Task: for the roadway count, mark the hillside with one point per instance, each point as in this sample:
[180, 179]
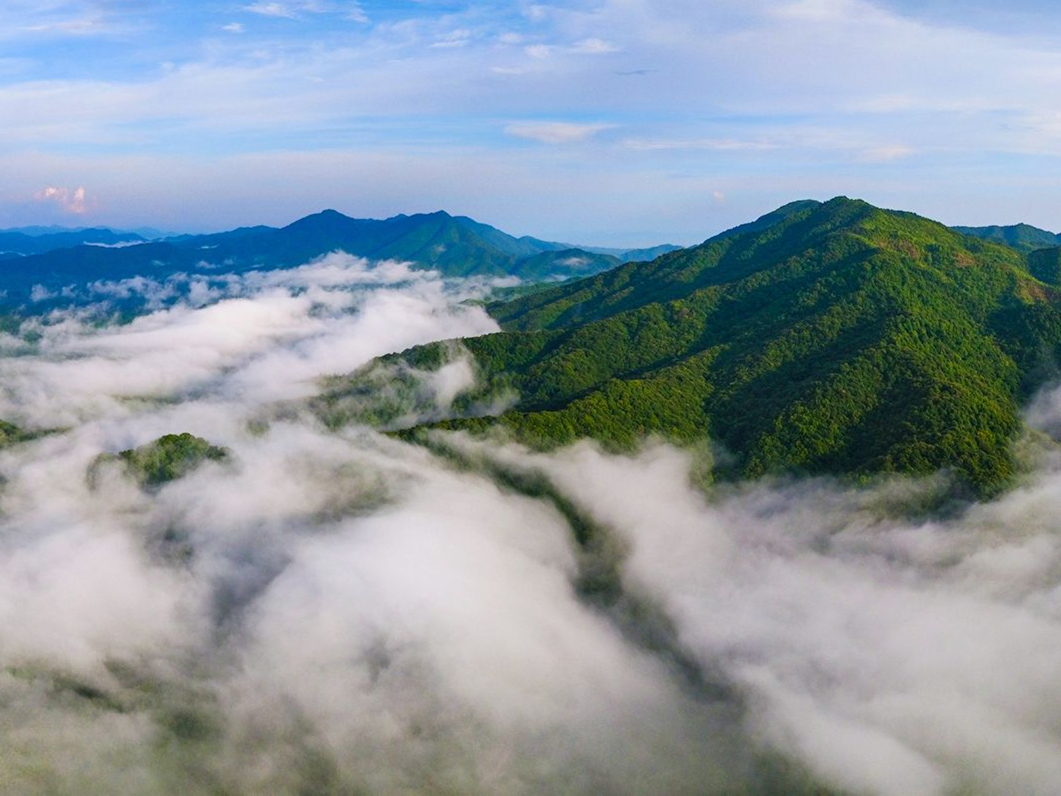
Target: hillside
[826, 338]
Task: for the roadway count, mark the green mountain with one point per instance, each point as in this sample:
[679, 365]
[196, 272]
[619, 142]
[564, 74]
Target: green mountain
[1022, 237]
[166, 459]
[823, 338]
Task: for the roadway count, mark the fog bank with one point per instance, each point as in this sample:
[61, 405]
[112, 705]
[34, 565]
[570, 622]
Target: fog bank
[341, 612]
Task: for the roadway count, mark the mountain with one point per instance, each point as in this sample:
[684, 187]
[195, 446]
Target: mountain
[166, 459]
[771, 219]
[454, 245]
[564, 264]
[45, 239]
[36, 230]
[634, 255]
[823, 338]
[1022, 237]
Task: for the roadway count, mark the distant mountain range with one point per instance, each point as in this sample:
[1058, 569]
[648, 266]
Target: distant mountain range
[147, 233]
[1022, 237]
[39, 240]
[52, 261]
[821, 338]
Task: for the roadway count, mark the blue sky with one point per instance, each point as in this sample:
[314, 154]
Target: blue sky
[618, 122]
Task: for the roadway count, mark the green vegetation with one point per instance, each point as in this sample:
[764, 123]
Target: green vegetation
[10, 434]
[166, 459]
[826, 338]
[1045, 265]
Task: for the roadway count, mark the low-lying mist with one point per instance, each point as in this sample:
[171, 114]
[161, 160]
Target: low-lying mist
[342, 612]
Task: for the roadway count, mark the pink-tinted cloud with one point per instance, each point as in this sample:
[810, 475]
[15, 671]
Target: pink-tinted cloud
[66, 199]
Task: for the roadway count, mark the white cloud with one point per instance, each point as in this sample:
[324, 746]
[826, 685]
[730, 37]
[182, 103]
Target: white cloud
[454, 38]
[272, 334]
[271, 10]
[347, 609]
[886, 154]
[844, 628]
[574, 262]
[555, 132]
[351, 9]
[233, 27]
[86, 26]
[68, 200]
[539, 51]
[593, 46]
[355, 13]
[721, 145]
[831, 11]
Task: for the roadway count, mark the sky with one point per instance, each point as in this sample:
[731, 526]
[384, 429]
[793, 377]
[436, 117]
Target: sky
[609, 122]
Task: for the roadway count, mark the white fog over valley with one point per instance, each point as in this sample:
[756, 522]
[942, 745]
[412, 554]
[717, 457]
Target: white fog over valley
[342, 611]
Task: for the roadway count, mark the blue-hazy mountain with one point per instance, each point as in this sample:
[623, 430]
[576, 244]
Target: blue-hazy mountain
[38, 240]
[634, 255]
[453, 245]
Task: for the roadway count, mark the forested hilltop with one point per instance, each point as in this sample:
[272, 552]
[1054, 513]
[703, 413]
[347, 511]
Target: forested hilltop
[826, 338]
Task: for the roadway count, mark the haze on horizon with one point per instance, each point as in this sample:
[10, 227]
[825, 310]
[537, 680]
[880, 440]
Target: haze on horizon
[613, 122]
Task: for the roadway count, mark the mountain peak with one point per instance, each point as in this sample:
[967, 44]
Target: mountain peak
[831, 337]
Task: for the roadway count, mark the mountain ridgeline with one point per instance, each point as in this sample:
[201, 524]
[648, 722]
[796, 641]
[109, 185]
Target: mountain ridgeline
[21, 243]
[41, 268]
[1022, 237]
[826, 338]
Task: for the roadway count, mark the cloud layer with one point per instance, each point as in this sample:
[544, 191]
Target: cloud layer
[331, 612]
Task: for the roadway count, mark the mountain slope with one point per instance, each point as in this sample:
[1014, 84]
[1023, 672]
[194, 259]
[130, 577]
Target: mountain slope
[1022, 237]
[840, 338]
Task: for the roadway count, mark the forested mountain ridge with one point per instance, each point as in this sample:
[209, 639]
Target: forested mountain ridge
[835, 337]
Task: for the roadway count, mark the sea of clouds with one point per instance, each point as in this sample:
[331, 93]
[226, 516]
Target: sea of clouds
[342, 612]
